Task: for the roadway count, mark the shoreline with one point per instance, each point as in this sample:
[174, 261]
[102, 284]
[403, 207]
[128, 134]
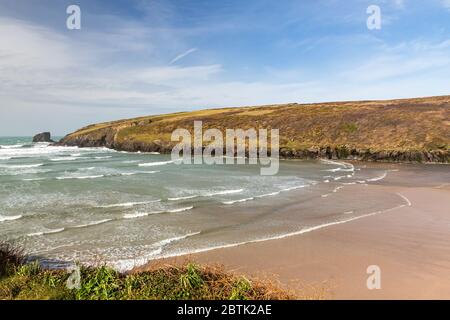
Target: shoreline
[334, 258]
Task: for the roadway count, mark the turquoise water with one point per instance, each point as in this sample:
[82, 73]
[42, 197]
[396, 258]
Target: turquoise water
[66, 204]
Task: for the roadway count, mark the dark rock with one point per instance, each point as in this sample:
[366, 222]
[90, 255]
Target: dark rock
[43, 137]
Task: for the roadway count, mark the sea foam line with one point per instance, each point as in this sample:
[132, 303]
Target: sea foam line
[294, 188]
[128, 204]
[286, 235]
[43, 233]
[21, 166]
[9, 218]
[81, 177]
[144, 214]
[378, 178]
[237, 201]
[268, 194]
[218, 193]
[409, 204]
[68, 158]
[137, 172]
[128, 264]
[182, 198]
[151, 164]
[93, 223]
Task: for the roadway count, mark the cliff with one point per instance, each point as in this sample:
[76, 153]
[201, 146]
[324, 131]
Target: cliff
[391, 130]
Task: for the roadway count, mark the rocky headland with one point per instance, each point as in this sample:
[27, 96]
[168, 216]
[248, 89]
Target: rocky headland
[406, 130]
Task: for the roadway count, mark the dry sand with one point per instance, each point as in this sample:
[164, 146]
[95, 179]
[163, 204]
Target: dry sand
[411, 245]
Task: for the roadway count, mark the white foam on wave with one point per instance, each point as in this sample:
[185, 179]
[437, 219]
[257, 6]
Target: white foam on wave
[9, 218]
[88, 168]
[337, 189]
[224, 192]
[340, 170]
[33, 179]
[268, 194]
[81, 177]
[152, 164]
[276, 237]
[137, 172]
[170, 240]
[140, 214]
[43, 233]
[23, 166]
[128, 204]
[180, 209]
[11, 146]
[128, 264]
[37, 150]
[238, 201]
[144, 214]
[93, 223]
[378, 178]
[71, 158]
[293, 188]
[5, 158]
[182, 198]
[102, 157]
[408, 202]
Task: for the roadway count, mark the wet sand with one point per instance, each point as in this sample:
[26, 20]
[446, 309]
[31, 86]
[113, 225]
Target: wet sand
[410, 244]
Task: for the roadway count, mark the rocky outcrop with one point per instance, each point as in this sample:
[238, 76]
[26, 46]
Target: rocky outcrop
[43, 137]
[101, 138]
[346, 153]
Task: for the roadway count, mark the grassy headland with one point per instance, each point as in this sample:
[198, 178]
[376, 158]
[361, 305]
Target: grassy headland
[391, 130]
[28, 281]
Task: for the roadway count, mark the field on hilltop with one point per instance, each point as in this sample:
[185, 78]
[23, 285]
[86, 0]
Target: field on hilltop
[395, 130]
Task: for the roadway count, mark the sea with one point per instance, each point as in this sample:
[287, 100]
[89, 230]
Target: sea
[67, 205]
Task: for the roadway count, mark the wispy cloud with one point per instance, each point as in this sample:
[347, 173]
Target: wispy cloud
[119, 67]
[446, 4]
[182, 55]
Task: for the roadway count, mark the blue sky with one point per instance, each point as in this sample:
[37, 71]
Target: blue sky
[144, 57]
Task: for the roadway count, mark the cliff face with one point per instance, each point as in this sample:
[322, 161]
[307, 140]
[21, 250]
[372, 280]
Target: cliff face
[394, 130]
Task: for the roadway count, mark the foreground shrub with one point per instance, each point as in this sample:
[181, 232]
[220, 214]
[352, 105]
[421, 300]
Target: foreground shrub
[187, 281]
[10, 258]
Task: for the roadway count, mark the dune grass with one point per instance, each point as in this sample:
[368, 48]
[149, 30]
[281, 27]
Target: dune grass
[29, 281]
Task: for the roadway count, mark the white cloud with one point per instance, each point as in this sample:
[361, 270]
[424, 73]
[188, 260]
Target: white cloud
[399, 3]
[55, 81]
[182, 55]
[446, 4]
[405, 59]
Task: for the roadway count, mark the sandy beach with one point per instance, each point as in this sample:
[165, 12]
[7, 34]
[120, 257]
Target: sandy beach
[409, 244]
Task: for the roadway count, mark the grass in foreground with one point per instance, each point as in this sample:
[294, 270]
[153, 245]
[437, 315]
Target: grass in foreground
[28, 281]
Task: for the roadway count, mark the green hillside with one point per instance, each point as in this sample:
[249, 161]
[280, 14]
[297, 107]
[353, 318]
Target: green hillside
[393, 130]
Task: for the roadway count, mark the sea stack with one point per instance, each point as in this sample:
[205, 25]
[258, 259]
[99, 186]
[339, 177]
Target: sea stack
[43, 137]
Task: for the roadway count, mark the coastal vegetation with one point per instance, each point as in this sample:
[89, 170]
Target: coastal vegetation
[416, 130]
[24, 280]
